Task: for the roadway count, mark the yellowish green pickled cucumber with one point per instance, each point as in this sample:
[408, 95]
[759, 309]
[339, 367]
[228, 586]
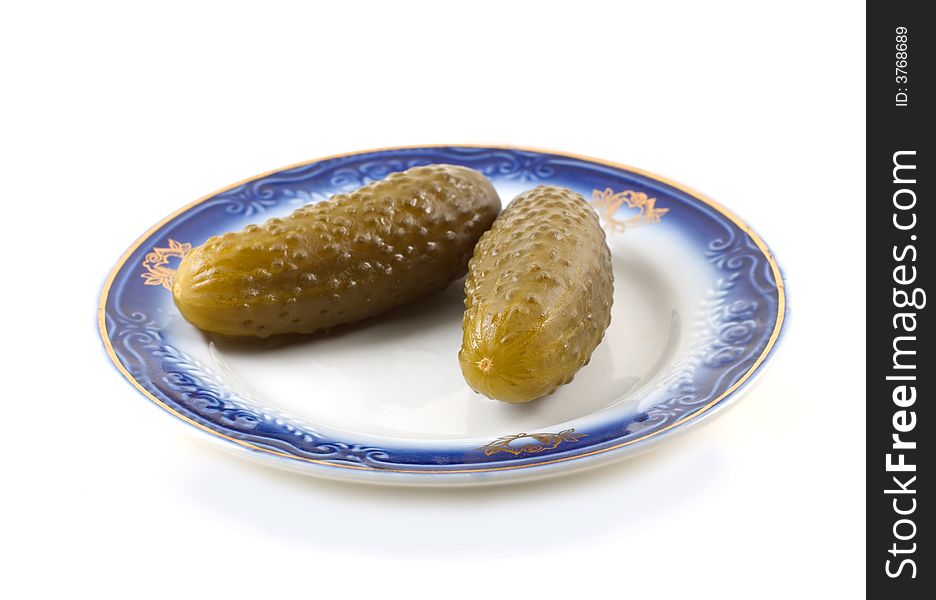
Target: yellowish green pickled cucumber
[351, 257]
[537, 297]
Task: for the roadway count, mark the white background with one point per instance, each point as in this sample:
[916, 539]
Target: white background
[115, 115]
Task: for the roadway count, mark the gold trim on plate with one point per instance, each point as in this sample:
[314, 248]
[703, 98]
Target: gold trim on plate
[774, 336]
[608, 201]
[539, 442]
[155, 270]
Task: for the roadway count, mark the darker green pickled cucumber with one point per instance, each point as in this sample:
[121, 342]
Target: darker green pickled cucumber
[351, 257]
[537, 297]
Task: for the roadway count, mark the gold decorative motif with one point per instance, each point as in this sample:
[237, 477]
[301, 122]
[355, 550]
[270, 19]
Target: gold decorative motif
[157, 273]
[543, 441]
[608, 202]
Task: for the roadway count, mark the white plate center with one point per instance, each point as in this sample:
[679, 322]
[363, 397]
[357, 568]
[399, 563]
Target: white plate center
[398, 376]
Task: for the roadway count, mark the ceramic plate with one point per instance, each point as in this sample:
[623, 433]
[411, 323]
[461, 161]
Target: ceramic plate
[698, 309]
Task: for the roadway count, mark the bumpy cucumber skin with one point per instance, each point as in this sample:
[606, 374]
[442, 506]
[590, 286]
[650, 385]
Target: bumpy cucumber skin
[537, 297]
[342, 260]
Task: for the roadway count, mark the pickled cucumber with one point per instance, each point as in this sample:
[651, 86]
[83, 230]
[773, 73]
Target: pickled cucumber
[342, 260]
[537, 297]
